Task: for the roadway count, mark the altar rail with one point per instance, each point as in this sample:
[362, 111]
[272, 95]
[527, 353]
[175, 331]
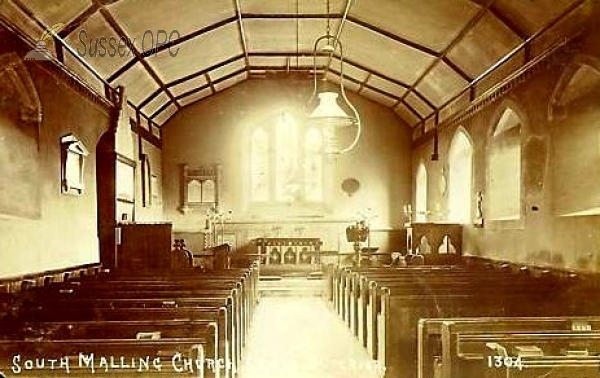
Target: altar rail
[294, 251]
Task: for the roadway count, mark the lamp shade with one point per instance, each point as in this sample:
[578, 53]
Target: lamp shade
[328, 111]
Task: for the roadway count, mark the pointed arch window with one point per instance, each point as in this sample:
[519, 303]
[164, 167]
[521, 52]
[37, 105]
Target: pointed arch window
[287, 163]
[460, 178]
[421, 194]
[287, 170]
[313, 165]
[504, 168]
[259, 165]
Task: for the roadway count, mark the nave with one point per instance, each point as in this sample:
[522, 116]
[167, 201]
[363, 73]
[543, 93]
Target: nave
[300, 337]
[249, 199]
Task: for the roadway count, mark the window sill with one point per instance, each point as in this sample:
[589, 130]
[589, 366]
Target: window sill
[508, 218]
[505, 223]
[582, 213]
[299, 210]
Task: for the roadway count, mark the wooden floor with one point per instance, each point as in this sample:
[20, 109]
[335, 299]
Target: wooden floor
[300, 337]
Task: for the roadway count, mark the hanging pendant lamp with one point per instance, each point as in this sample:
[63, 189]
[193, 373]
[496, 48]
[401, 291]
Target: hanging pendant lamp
[328, 113]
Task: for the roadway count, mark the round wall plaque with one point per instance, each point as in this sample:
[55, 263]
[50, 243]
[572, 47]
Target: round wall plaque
[350, 186]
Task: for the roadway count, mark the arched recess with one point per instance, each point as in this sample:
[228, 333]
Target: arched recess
[18, 89]
[421, 194]
[575, 121]
[504, 163]
[20, 119]
[460, 177]
[579, 78]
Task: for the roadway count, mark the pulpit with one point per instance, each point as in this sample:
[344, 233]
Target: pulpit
[144, 247]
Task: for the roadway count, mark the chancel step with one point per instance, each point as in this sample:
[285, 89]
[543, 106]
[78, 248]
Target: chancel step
[291, 286]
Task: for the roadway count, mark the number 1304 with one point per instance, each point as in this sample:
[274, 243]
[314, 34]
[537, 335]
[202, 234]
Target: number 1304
[501, 361]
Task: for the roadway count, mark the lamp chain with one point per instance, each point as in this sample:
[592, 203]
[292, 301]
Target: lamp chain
[328, 26]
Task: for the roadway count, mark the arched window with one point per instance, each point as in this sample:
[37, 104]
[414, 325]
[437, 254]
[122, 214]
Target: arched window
[313, 165]
[460, 178]
[287, 171]
[421, 194]
[286, 162]
[504, 168]
[259, 165]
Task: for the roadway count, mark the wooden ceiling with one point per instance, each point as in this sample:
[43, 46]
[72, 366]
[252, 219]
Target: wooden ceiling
[420, 58]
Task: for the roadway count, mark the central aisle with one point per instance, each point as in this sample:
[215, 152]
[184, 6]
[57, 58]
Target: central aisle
[300, 337]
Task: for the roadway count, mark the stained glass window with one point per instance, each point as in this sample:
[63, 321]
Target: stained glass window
[259, 161]
[286, 162]
[313, 165]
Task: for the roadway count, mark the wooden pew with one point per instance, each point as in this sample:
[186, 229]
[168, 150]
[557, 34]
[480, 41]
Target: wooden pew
[430, 333]
[396, 326]
[211, 331]
[141, 293]
[103, 305]
[126, 301]
[83, 358]
[242, 301]
[78, 310]
[542, 354]
[393, 310]
[245, 286]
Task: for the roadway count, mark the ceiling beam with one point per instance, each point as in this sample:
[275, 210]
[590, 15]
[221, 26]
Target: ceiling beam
[216, 81]
[121, 33]
[290, 16]
[275, 16]
[205, 70]
[221, 64]
[510, 24]
[90, 11]
[522, 47]
[192, 35]
[352, 63]
[83, 17]
[124, 68]
[148, 99]
[171, 44]
[362, 85]
[210, 83]
[420, 118]
[240, 22]
[388, 78]
[464, 31]
[377, 90]
[285, 69]
[161, 109]
[465, 76]
[394, 37]
[78, 21]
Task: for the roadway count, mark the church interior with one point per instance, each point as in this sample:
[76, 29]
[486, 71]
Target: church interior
[300, 188]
